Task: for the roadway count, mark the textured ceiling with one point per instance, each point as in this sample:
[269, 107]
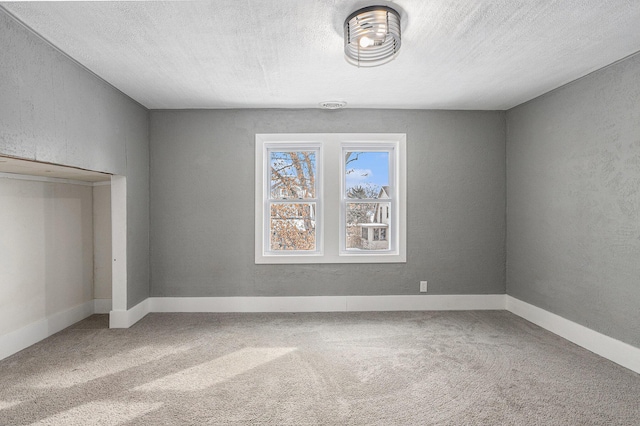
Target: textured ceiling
[456, 54]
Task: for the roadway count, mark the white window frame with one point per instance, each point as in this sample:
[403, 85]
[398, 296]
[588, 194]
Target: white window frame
[330, 215]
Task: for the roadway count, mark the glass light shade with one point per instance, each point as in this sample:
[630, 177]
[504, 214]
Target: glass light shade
[372, 36]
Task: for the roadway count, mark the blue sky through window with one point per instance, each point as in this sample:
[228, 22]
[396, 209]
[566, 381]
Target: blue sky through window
[367, 169]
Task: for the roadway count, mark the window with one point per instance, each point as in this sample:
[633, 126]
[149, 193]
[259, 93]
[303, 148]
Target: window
[330, 198]
[292, 201]
[368, 189]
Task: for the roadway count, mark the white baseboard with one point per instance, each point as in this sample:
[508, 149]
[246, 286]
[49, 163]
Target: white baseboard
[31, 334]
[619, 352]
[248, 304]
[327, 303]
[125, 319]
[614, 350]
[433, 302]
[61, 320]
[22, 338]
[101, 306]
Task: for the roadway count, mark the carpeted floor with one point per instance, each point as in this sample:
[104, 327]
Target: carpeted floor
[391, 368]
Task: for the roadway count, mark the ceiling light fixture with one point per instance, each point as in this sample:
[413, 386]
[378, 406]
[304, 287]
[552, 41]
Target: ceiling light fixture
[372, 36]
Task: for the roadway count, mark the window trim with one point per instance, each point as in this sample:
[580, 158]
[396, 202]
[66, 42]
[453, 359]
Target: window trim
[329, 195]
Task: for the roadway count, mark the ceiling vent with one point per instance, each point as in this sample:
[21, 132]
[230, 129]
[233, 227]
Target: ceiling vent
[333, 104]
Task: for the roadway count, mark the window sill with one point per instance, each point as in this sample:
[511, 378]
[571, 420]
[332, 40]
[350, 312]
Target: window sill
[319, 258]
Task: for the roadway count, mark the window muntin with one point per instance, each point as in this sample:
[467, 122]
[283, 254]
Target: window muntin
[314, 216]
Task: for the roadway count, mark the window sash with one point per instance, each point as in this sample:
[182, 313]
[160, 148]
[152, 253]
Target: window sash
[312, 217]
[268, 200]
[288, 149]
[391, 231]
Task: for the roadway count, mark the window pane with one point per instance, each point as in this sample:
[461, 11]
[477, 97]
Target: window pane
[367, 174]
[293, 226]
[293, 174]
[368, 226]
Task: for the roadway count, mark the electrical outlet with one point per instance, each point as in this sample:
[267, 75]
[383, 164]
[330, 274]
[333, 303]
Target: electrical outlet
[423, 286]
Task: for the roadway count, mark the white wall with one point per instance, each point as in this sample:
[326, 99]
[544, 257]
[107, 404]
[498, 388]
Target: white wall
[46, 250]
[102, 241]
[54, 111]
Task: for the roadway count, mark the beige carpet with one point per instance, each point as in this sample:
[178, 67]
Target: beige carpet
[412, 368]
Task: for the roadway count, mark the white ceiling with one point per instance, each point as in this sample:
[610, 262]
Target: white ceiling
[455, 54]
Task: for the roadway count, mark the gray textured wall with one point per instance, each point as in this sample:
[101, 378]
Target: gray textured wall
[52, 110]
[573, 211]
[202, 204]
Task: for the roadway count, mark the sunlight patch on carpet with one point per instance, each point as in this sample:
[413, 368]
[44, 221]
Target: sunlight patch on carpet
[8, 404]
[91, 370]
[218, 370]
[104, 413]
